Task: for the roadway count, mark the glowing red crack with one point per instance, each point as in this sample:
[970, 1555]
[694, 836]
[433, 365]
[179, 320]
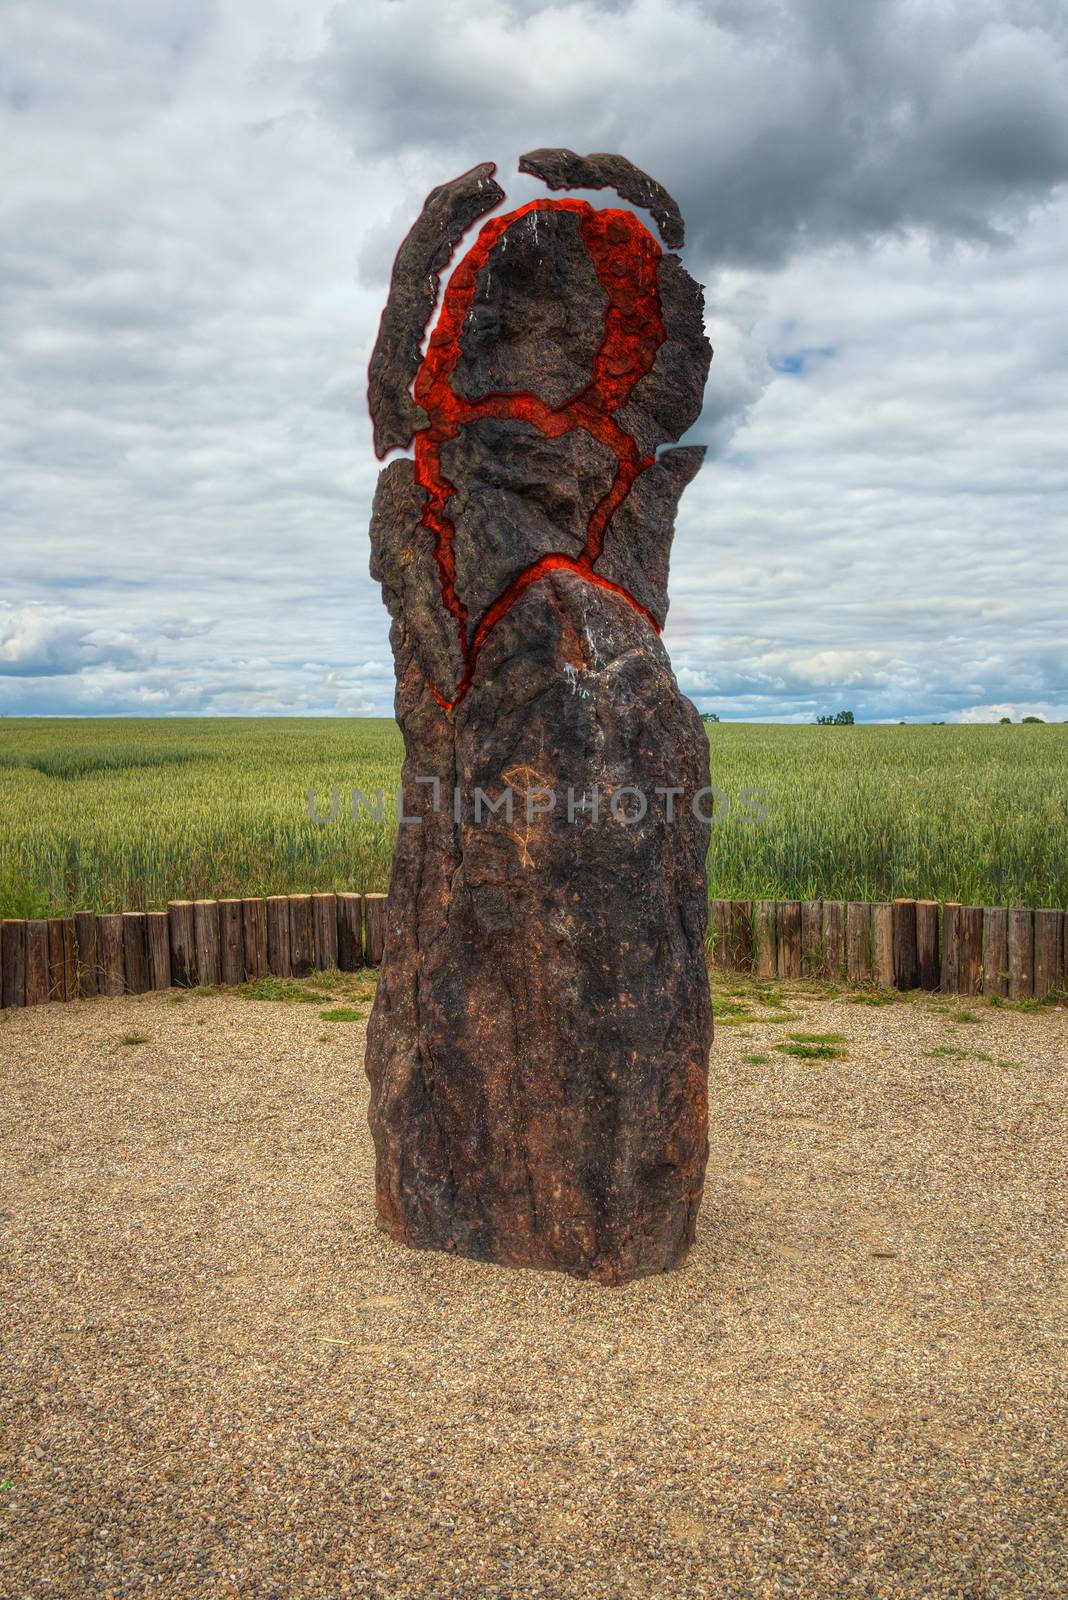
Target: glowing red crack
[625, 257]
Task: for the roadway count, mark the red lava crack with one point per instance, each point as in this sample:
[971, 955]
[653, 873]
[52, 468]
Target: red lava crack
[625, 257]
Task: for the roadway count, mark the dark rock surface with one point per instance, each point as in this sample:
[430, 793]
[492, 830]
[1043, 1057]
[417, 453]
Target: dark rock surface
[538, 308]
[563, 169]
[518, 496]
[637, 546]
[538, 1047]
[447, 213]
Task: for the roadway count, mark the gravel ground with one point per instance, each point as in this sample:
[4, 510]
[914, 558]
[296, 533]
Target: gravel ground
[220, 1380]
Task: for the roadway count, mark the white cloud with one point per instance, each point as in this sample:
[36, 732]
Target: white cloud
[199, 210]
[48, 642]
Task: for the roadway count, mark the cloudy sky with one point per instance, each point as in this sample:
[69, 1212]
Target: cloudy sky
[200, 205]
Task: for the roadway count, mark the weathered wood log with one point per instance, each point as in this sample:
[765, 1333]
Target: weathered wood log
[740, 936]
[349, 932]
[158, 946]
[37, 978]
[207, 939]
[995, 950]
[135, 952]
[813, 953]
[949, 978]
[906, 959]
[928, 948]
[301, 935]
[766, 939]
[62, 978]
[1021, 953]
[858, 941]
[374, 928]
[834, 939]
[109, 946]
[254, 928]
[13, 962]
[970, 950]
[1049, 941]
[789, 938]
[183, 944]
[88, 976]
[720, 919]
[882, 944]
[324, 918]
[231, 942]
[278, 950]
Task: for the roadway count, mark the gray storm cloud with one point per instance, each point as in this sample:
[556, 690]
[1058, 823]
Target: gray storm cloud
[200, 207]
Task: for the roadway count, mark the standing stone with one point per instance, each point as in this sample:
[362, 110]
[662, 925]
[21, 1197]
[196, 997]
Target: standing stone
[538, 1046]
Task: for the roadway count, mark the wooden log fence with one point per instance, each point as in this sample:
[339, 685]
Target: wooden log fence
[1016, 953]
[909, 944]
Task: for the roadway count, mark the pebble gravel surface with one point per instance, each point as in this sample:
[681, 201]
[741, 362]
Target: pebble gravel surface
[219, 1379]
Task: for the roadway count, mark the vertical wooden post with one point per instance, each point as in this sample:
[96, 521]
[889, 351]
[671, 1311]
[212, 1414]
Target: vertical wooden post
[858, 941]
[135, 951]
[231, 942]
[928, 955]
[995, 950]
[36, 961]
[88, 962]
[765, 939]
[1021, 953]
[374, 928]
[882, 944]
[61, 974]
[206, 935]
[812, 947]
[834, 938]
[739, 935]
[55, 960]
[183, 943]
[789, 938]
[324, 918]
[278, 952]
[969, 949]
[13, 962]
[349, 932]
[158, 942]
[949, 979]
[906, 960]
[109, 948]
[301, 935]
[720, 918]
[254, 927]
[1049, 938]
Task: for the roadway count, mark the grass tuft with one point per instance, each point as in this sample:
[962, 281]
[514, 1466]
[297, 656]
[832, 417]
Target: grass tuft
[812, 1052]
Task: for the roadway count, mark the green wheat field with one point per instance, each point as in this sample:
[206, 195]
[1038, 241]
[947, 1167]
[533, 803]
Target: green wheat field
[126, 814]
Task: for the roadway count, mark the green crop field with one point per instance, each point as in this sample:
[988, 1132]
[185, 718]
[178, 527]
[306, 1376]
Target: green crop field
[128, 813]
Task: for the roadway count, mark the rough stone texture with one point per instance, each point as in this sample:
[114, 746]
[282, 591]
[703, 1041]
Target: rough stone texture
[563, 169]
[518, 496]
[538, 312]
[638, 541]
[448, 212]
[667, 400]
[538, 1049]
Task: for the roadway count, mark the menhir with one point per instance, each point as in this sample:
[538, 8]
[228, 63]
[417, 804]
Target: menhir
[538, 1047]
